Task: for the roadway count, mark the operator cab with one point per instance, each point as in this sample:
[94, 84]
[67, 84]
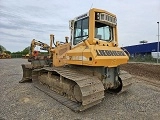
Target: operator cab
[94, 25]
[81, 30]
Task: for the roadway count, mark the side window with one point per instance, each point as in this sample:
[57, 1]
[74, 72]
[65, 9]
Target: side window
[85, 27]
[80, 30]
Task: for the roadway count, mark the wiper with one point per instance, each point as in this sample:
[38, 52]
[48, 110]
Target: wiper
[79, 41]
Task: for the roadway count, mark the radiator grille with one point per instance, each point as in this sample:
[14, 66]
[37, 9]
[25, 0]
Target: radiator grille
[109, 53]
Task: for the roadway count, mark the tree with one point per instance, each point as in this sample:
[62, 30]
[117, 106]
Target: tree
[26, 50]
[8, 52]
[2, 48]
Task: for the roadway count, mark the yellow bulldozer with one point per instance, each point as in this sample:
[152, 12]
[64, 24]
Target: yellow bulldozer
[79, 71]
[25, 56]
[4, 55]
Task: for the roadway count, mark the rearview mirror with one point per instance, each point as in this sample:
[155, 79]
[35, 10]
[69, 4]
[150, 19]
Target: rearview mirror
[71, 24]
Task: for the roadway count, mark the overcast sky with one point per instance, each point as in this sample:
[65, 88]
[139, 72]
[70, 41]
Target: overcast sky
[23, 20]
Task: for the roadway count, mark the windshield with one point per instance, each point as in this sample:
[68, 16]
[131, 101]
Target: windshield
[103, 31]
[80, 30]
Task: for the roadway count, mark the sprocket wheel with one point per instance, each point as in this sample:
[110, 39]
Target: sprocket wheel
[118, 89]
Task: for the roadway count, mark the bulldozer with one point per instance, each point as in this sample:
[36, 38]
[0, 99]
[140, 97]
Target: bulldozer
[4, 55]
[25, 56]
[78, 72]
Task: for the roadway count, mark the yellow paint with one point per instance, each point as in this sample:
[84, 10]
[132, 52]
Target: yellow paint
[85, 53]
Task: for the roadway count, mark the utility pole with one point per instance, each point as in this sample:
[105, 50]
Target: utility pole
[158, 45]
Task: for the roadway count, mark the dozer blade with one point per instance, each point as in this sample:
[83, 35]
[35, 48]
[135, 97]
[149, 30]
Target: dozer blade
[27, 73]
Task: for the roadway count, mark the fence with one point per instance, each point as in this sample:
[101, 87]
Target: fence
[143, 58]
[16, 55]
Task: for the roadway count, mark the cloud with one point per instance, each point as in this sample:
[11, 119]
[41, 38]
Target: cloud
[17, 22]
[12, 35]
[21, 21]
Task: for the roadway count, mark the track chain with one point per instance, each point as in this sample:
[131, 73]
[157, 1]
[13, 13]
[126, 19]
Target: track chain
[91, 88]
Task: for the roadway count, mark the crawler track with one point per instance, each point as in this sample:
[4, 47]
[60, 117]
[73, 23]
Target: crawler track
[91, 88]
[127, 80]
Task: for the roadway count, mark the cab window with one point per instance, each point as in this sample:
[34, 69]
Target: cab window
[80, 30]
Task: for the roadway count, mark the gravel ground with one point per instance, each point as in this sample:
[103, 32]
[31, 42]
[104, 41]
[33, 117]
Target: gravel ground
[25, 102]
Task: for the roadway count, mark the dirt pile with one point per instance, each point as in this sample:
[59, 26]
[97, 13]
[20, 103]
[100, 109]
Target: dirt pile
[149, 71]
